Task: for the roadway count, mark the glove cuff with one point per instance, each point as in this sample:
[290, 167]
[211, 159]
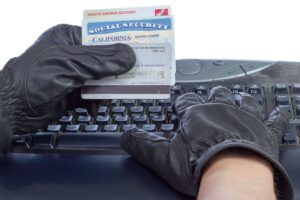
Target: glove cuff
[283, 186]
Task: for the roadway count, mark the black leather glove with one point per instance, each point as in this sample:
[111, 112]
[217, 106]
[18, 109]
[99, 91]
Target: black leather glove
[205, 129]
[34, 86]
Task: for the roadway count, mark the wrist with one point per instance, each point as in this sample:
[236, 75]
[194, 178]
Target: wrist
[236, 174]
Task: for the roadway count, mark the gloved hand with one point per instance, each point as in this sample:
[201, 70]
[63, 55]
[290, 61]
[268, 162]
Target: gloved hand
[205, 129]
[34, 86]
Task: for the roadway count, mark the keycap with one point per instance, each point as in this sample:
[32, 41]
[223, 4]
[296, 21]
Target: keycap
[102, 110]
[155, 109]
[295, 88]
[282, 100]
[149, 127]
[254, 89]
[167, 127]
[66, 119]
[91, 128]
[169, 110]
[119, 110]
[43, 139]
[128, 102]
[23, 141]
[164, 102]
[147, 102]
[176, 90]
[126, 127]
[54, 128]
[120, 119]
[82, 141]
[201, 90]
[81, 111]
[280, 89]
[290, 138]
[113, 102]
[84, 119]
[174, 119]
[140, 119]
[73, 128]
[137, 109]
[110, 128]
[158, 119]
[237, 89]
[102, 119]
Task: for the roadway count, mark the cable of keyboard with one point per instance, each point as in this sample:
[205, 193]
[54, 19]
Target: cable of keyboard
[99, 130]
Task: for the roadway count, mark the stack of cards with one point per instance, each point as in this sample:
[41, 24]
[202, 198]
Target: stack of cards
[150, 32]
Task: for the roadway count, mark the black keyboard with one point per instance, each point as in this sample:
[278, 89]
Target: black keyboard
[97, 127]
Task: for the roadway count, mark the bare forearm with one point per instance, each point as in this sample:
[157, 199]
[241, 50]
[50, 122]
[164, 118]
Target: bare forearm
[237, 174]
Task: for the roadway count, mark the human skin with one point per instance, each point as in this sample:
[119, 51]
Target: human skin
[237, 174]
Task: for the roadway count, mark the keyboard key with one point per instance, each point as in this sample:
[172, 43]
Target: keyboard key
[167, 128]
[120, 119]
[119, 110]
[147, 102]
[81, 111]
[102, 110]
[169, 110]
[100, 119]
[164, 102]
[140, 119]
[73, 128]
[128, 102]
[155, 110]
[280, 89]
[149, 127]
[201, 90]
[290, 138]
[91, 128]
[126, 127]
[23, 141]
[54, 128]
[83, 141]
[137, 110]
[174, 119]
[113, 102]
[158, 119]
[282, 101]
[254, 89]
[66, 119]
[176, 90]
[296, 88]
[84, 119]
[110, 128]
[237, 89]
[43, 139]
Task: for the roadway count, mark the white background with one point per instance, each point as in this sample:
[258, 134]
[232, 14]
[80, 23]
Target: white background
[229, 29]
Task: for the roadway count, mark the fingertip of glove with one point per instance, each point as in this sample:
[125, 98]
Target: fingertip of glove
[128, 54]
[127, 139]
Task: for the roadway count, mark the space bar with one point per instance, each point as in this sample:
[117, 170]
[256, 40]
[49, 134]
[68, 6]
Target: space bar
[88, 141]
